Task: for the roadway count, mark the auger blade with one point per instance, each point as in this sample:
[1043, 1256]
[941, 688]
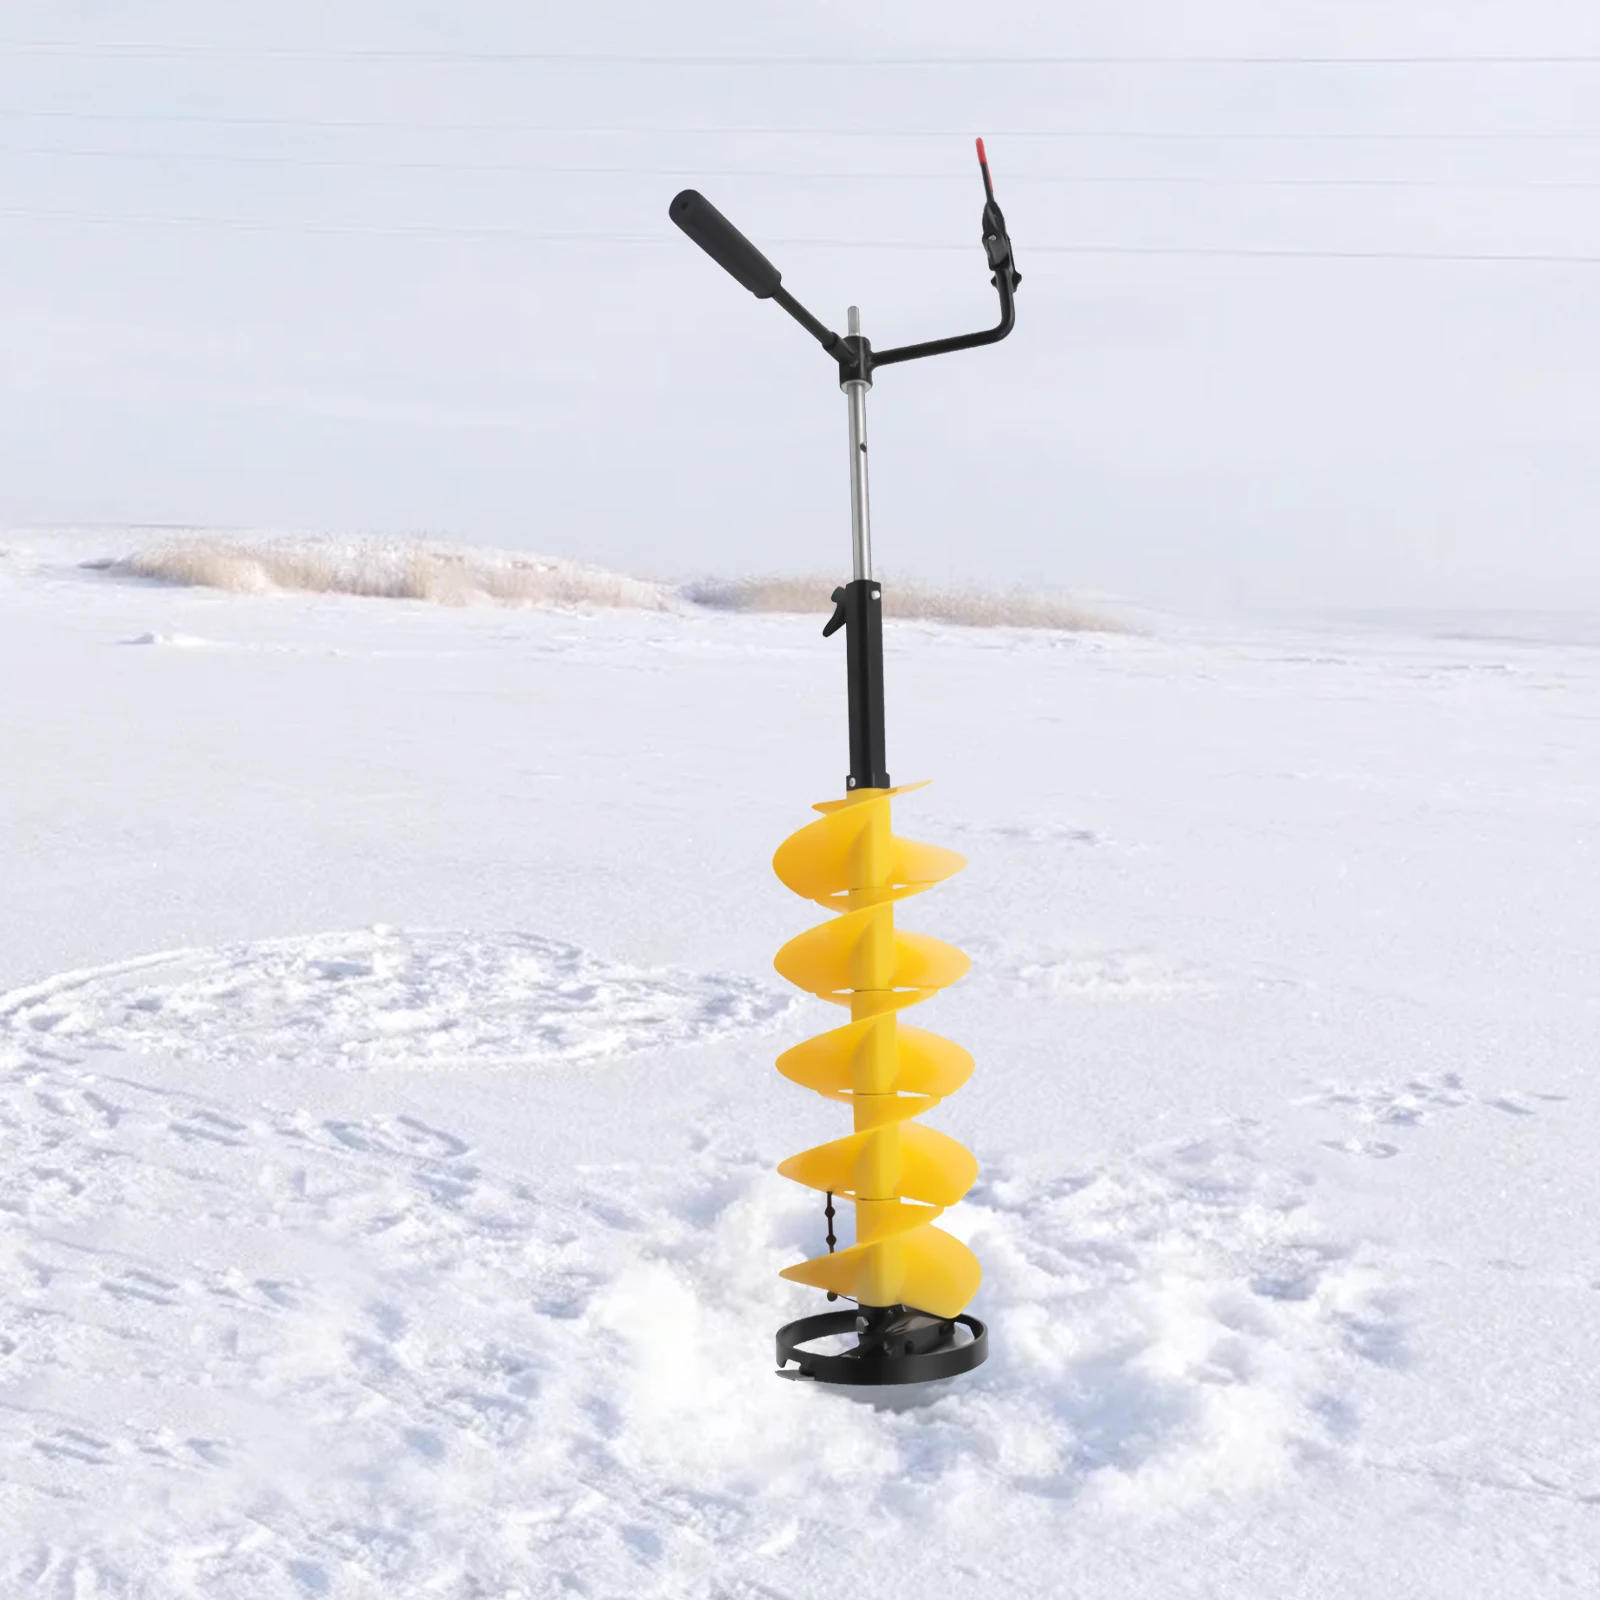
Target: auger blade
[836, 1273]
[934, 1167]
[926, 1268]
[923, 865]
[829, 1166]
[834, 1077]
[881, 1220]
[851, 859]
[863, 950]
[834, 1062]
[879, 1110]
[941, 1273]
[827, 807]
[878, 1055]
[930, 1063]
[922, 1164]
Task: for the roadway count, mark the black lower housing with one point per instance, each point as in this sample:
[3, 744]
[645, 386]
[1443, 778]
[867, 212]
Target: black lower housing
[894, 1344]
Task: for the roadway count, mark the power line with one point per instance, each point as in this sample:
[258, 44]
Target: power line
[1158, 135]
[438, 57]
[699, 170]
[584, 236]
[1537, 258]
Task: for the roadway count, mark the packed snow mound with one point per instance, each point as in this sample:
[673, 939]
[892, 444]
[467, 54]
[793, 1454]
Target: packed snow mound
[389, 570]
[968, 608]
[387, 998]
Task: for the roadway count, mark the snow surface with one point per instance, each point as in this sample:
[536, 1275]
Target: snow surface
[387, 1204]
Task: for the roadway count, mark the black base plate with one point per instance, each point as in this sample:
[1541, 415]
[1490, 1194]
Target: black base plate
[894, 1344]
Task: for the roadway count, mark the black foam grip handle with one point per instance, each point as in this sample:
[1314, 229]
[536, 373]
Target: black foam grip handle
[724, 243]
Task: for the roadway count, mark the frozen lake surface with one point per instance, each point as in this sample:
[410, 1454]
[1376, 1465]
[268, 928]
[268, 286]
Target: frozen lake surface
[388, 1118]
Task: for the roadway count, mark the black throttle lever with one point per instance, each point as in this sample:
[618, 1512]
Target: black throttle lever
[996, 241]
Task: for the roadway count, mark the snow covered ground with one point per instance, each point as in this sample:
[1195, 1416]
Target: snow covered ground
[388, 1120]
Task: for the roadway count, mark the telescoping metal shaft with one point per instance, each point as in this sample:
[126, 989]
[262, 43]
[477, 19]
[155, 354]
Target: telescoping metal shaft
[855, 390]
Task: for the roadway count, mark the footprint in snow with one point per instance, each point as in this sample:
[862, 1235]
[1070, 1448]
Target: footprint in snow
[1376, 1149]
[73, 1444]
[135, 1284]
[398, 1136]
[207, 1127]
[1411, 1104]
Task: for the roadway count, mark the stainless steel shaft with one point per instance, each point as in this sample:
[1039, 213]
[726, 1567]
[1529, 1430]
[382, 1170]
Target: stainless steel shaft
[860, 514]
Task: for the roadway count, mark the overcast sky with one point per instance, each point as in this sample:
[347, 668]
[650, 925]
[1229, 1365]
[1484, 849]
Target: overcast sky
[267, 265]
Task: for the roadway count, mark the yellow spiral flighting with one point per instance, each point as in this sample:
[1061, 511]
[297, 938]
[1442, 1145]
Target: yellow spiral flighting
[899, 1175]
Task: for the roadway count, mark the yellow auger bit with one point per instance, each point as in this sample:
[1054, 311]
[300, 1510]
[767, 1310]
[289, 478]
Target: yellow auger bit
[911, 1280]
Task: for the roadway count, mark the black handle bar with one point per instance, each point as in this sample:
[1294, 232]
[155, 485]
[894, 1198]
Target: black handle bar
[737, 256]
[724, 243]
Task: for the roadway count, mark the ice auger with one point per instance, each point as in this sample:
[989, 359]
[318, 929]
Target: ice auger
[911, 1281]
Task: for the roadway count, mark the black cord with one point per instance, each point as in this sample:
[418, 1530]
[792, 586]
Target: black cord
[828, 1213]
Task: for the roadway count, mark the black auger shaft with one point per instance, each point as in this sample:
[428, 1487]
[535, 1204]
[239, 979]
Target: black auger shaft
[858, 609]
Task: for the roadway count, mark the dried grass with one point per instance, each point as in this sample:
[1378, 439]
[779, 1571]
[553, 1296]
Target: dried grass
[968, 608]
[435, 574]
[443, 575]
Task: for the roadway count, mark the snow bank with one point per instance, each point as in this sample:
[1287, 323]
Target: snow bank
[403, 570]
[969, 608]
